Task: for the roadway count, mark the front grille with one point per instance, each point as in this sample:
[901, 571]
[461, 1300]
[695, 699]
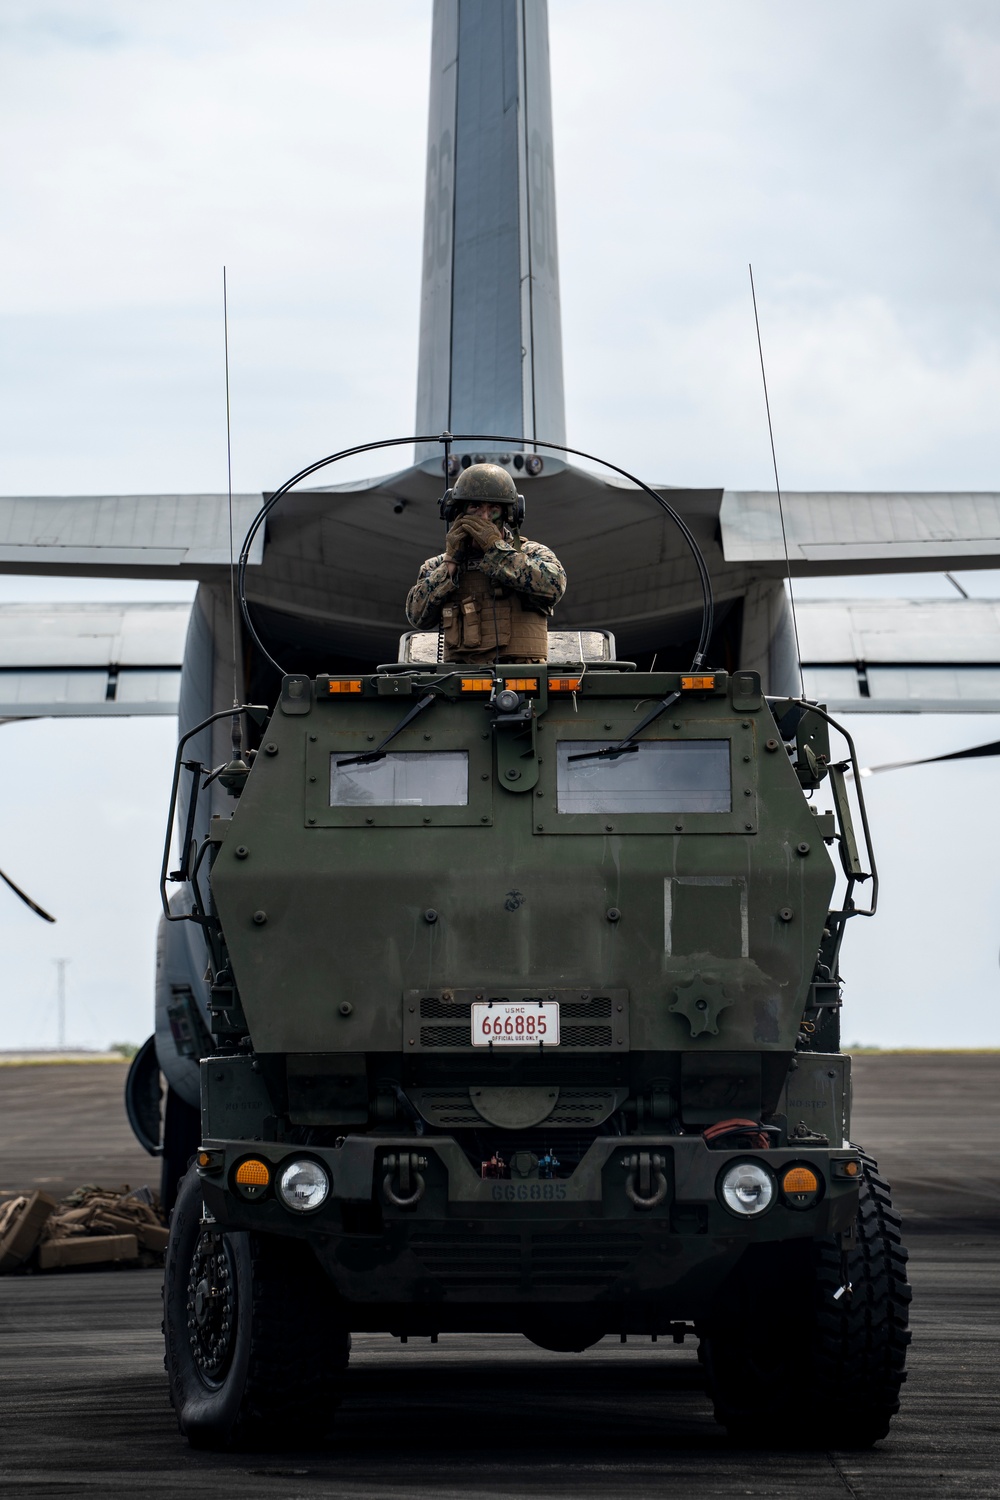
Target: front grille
[582, 1260]
[442, 1021]
[461, 1259]
[448, 1109]
[590, 1010]
[586, 1036]
[526, 1261]
[431, 1009]
[583, 1107]
[452, 1109]
[445, 1036]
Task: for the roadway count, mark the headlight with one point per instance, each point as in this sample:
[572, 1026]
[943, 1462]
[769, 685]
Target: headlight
[747, 1188]
[303, 1186]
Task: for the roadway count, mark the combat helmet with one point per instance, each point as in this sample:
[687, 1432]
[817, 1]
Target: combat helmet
[483, 482]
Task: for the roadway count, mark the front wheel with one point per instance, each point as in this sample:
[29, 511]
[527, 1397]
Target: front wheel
[255, 1352]
[789, 1362]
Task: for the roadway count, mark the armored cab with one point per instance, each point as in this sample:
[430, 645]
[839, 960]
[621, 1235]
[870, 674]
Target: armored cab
[525, 1014]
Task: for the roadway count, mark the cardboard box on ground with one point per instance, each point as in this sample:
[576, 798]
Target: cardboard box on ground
[92, 1226]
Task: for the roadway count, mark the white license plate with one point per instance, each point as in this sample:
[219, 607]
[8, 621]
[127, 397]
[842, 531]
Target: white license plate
[515, 1023]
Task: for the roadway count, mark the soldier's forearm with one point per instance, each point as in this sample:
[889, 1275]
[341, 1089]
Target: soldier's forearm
[422, 614]
[537, 577]
[428, 594]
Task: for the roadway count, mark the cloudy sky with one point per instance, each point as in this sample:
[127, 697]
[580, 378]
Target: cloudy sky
[851, 151]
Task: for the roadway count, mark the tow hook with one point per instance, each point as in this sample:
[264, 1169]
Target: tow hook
[643, 1171]
[848, 1242]
[411, 1182]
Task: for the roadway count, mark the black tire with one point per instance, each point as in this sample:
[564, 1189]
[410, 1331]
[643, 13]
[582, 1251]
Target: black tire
[256, 1357]
[790, 1366]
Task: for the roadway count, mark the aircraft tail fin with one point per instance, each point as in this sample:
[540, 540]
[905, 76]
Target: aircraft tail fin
[490, 329]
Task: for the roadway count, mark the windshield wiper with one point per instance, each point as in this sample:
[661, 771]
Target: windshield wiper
[623, 747]
[379, 752]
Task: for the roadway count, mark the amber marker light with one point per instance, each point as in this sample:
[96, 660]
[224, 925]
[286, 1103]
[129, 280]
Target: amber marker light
[695, 684]
[522, 684]
[252, 1178]
[253, 1173]
[800, 1187]
[204, 1160]
[477, 684]
[564, 684]
[345, 684]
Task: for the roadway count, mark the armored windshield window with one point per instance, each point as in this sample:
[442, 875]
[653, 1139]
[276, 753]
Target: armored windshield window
[417, 778]
[659, 776]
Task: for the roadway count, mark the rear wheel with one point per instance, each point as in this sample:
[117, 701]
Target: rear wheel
[788, 1362]
[255, 1351]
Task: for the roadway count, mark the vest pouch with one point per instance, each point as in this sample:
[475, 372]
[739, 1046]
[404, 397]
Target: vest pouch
[529, 634]
[471, 633]
[451, 625]
[494, 618]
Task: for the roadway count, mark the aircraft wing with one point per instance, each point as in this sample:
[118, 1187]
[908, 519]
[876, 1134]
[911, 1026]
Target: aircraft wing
[123, 536]
[844, 532]
[81, 660]
[901, 655]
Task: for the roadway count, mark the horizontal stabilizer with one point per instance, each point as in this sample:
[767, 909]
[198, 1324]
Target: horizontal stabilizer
[85, 660]
[901, 655]
[853, 532]
[124, 536]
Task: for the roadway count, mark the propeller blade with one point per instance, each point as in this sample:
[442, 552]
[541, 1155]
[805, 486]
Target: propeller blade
[38, 910]
[975, 752]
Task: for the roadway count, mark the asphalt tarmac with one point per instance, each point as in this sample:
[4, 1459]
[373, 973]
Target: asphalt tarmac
[83, 1406]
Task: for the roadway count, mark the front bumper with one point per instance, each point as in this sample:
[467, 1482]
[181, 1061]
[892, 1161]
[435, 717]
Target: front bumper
[503, 1247]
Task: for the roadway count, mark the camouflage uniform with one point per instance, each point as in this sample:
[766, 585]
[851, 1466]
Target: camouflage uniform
[534, 571]
[511, 566]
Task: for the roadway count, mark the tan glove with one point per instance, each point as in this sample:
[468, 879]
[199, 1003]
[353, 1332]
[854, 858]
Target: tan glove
[456, 538]
[481, 532]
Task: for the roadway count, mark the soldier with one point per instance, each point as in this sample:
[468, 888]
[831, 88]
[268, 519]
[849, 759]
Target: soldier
[490, 591]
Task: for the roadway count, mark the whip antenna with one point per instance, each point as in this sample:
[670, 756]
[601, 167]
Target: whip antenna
[777, 486]
[229, 474]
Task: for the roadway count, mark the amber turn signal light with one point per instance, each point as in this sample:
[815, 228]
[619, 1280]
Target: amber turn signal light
[345, 684]
[693, 684]
[252, 1177]
[477, 684]
[253, 1173]
[800, 1187]
[564, 684]
[522, 684]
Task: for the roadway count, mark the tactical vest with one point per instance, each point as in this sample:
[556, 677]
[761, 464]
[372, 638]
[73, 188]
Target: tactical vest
[486, 622]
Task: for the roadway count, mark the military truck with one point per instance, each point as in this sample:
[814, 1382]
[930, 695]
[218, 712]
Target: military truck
[525, 999]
